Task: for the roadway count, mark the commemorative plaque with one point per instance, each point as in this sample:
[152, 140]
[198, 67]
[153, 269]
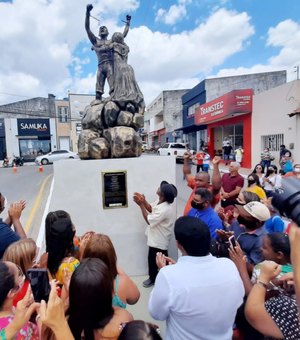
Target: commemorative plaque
[114, 186]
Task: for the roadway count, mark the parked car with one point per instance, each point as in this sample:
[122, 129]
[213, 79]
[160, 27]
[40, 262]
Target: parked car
[55, 156]
[174, 149]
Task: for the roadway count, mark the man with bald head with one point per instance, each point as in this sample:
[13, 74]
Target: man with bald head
[202, 180]
[232, 184]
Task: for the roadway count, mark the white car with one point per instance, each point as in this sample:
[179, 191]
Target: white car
[55, 156]
[174, 149]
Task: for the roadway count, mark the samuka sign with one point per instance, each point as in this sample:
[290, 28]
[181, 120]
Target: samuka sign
[33, 127]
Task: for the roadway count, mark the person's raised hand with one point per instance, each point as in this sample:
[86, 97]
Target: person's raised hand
[25, 308]
[138, 198]
[237, 256]
[269, 270]
[224, 235]
[216, 160]
[287, 282]
[52, 314]
[187, 155]
[15, 210]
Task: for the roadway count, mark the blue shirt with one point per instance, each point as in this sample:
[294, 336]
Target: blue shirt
[210, 217]
[7, 237]
[251, 243]
[274, 224]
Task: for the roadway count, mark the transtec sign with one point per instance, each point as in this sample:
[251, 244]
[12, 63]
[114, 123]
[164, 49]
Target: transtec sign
[234, 102]
[33, 127]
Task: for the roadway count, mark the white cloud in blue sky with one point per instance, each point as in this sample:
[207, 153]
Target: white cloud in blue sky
[173, 43]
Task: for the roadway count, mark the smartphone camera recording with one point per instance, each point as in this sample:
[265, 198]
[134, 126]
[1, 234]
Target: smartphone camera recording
[39, 282]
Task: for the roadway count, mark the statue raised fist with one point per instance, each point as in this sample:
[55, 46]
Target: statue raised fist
[128, 18]
[89, 7]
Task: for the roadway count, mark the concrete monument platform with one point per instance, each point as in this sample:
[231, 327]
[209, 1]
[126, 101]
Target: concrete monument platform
[78, 189]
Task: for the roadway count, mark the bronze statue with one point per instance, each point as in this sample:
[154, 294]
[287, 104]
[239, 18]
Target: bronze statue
[103, 49]
[110, 126]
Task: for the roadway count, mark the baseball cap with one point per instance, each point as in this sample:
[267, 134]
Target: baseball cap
[168, 190]
[256, 209]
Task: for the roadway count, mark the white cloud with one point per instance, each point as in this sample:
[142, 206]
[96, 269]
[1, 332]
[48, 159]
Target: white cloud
[174, 14]
[286, 37]
[39, 39]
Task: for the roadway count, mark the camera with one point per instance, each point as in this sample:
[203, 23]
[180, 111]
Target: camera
[287, 199]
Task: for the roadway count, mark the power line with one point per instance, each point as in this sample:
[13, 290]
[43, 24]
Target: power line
[30, 114]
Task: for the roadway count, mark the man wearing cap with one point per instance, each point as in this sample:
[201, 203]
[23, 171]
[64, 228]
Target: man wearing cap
[252, 217]
[7, 235]
[232, 184]
[201, 180]
[199, 295]
[160, 217]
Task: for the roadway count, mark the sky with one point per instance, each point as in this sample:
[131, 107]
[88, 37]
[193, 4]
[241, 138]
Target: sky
[174, 44]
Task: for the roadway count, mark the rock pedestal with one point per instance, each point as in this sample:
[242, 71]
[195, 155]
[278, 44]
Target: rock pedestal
[110, 131]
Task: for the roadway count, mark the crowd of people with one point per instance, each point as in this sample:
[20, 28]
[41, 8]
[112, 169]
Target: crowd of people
[237, 275]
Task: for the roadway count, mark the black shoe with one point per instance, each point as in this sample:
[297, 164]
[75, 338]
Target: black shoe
[148, 283]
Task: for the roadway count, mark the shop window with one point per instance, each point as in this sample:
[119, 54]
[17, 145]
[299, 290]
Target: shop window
[272, 142]
[192, 109]
[30, 148]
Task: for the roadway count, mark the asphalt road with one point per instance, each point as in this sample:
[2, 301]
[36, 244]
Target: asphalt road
[33, 186]
[30, 185]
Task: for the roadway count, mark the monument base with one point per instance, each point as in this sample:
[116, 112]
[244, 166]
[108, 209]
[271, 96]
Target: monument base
[78, 189]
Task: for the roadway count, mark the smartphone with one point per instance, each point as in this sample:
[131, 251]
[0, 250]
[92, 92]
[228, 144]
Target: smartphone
[39, 282]
[232, 241]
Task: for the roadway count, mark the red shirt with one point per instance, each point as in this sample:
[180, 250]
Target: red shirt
[200, 157]
[229, 183]
[191, 184]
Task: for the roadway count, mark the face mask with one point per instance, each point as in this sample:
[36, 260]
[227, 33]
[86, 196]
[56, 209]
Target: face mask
[242, 220]
[271, 171]
[198, 206]
[251, 181]
[297, 170]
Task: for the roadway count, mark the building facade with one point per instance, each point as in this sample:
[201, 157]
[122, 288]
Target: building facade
[28, 128]
[211, 89]
[163, 118]
[276, 121]
[63, 124]
[77, 104]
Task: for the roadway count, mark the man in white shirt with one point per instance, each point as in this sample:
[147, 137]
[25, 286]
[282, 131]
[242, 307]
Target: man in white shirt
[200, 294]
[160, 217]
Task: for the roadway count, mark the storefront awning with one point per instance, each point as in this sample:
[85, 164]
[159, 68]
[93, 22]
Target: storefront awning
[232, 103]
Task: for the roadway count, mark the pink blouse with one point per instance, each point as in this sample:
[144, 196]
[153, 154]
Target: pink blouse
[28, 332]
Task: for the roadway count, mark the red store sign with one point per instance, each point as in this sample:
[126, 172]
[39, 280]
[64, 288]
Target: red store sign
[236, 101]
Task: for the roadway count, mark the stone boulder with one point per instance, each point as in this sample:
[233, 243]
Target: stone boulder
[125, 118]
[84, 139]
[124, 142]
[92, 117]
[110, 113]
[99, 148]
